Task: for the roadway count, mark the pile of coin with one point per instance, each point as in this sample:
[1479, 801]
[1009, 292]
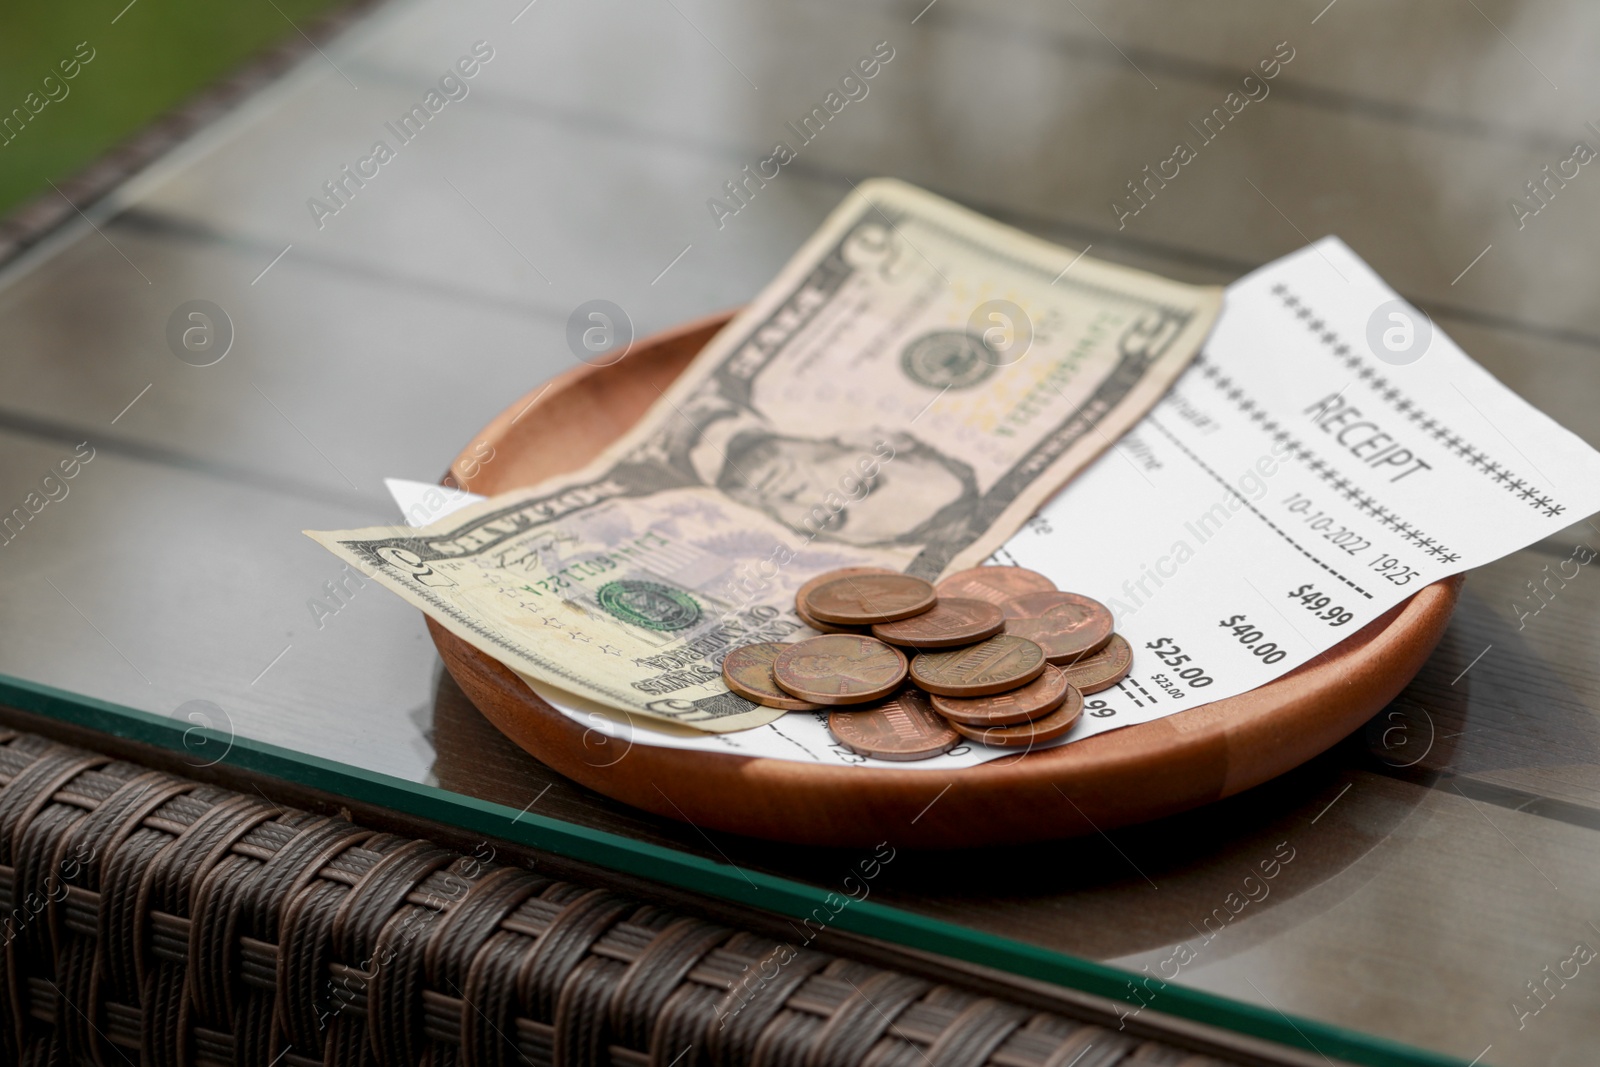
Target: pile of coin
[992, 654]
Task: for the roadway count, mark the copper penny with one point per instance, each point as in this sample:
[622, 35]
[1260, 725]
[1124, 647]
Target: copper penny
[1100, 670]
[952, 621]
[993, 666]
[1033, 701]
[822, 579]
[1026, 734]
[995, 584]
[748, 671]
[839, 669]
[1065, 625]
[904, 727]
[864, 599]
[827, 627]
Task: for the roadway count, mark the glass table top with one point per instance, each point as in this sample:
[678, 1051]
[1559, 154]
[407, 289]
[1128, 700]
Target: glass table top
[1431, 873]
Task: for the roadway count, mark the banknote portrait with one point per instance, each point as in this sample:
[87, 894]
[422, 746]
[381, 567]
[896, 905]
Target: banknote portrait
[922, 492]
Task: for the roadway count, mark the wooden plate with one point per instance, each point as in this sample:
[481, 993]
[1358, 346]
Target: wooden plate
[1124, 776]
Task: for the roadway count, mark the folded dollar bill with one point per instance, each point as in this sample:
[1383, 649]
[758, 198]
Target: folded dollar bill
[910, 389]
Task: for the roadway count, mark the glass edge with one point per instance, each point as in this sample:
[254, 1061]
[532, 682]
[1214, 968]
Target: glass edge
[755, 889]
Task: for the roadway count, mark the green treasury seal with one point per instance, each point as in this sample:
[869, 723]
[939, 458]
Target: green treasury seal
[948, 359]
[649, 604]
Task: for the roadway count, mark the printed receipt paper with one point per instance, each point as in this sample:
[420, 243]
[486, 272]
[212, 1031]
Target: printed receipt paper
[1288, 490]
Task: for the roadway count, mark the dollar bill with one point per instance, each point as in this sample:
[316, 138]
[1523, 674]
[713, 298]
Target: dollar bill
[910, 389]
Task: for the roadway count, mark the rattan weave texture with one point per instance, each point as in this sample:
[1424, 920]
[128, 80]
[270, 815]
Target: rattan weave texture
[156, 921]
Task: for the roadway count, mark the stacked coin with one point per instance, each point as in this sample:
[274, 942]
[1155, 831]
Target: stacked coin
[994, 654]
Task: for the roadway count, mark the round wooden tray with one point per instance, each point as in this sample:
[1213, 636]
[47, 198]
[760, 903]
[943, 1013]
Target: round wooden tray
[1124, 776]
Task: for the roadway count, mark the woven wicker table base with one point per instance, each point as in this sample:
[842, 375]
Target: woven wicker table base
[163, 921]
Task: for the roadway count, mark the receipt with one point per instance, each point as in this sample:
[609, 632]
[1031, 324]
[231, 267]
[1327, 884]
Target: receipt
[1329, 453]
[1298, 481]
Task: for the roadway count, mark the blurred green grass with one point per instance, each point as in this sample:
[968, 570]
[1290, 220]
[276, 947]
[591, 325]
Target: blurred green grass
[157, 53]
